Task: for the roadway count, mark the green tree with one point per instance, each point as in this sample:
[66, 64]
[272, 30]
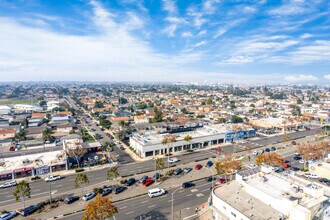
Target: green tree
[209, 101]
[158, 116]
[160, 165]
[98, 104]
[43, 103]
[47, 135]
[81, 180]
[22, 191]
[21, 136]
[121, 123]
[187, 139]
[236, 119]
[122, 101]
[112, 173]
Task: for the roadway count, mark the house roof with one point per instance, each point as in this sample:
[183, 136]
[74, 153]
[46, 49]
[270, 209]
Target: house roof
[124, 118]
[7, 131]
[64, 113]
[38, 115]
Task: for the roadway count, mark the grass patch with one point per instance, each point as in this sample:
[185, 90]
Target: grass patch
[18, 101]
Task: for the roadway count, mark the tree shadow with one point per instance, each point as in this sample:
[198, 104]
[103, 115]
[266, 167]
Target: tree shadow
[153, 215]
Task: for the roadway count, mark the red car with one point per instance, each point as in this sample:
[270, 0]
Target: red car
[148, 182]
[293, 143]
[223, 180]
[286, 165]
[198, 166]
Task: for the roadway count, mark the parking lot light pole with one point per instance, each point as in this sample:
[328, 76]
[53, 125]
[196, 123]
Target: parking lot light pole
[173, 202]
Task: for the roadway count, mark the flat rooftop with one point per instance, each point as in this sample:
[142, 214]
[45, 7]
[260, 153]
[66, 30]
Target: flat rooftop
[235, 196]
[157, 138]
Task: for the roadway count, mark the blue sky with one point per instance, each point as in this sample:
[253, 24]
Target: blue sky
[240, 41]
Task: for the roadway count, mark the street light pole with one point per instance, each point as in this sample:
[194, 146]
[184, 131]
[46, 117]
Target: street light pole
[173, 202]
[50, 193]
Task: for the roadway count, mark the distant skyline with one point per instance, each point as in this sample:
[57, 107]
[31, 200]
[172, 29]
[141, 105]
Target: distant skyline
[221, 41]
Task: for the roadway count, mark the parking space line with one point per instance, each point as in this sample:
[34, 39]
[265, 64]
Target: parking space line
[151, 206]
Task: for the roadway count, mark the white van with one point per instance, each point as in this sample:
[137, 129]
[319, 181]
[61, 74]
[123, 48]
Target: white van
[156, 192]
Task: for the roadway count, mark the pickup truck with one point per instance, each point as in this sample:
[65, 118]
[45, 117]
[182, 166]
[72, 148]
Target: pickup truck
[52, 178]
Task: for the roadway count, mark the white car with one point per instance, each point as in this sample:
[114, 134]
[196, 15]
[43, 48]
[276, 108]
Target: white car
[52, 178]
[156, 192]
[253, 165]
[301, 161]
[8, 215]
[88, 196]
[311, 175]
[173, 160]
[8, 184]
[255, 153]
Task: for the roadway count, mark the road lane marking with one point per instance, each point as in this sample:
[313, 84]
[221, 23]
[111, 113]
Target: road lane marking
[151, 206]
[36, 190]
[181, 191]
[194, 190]
[97, 178]
[189, 194]
[144, 201]
[189, 217]
[124, 207]
[171, 200]
[130, 212]
[58, 185]
[200, 195]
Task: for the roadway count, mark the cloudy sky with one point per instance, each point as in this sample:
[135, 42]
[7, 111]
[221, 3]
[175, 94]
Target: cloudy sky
[242, 41]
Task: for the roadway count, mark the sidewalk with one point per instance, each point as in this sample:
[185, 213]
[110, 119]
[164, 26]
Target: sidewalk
[133, 191]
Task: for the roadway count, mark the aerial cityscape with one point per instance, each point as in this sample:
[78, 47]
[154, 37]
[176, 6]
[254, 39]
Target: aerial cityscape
[165, 109]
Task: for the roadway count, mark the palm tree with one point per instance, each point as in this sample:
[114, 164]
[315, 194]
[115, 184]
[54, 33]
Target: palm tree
[20, 136]
[112, 173]
[160, 165]
[22, 191]
[187, 139]
[47, 135]
[80, 181]
[168, 141]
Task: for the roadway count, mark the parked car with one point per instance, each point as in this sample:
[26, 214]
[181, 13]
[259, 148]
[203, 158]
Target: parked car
[293, 143]
[267, 149]
[143, 178]
[255, 153]
[156, 192]
[71, 199]
[209, 163]
[311, 175]
[156, 176]
[297, 157]
[261, 151]
[187, 169]
[222, 180]
[294, 168]
[177, 171]
[12, 148]
[88, 196]
[29, 210]
[286, 165]
[8, 184]
[273, 148]
[148, 182]
[278, 169]
[173, 160]
[8, 215]
[52, 178]
[130, 182]
[106, 191]
[198, 166]
[324, 180]
[120, 189]
[187, 184]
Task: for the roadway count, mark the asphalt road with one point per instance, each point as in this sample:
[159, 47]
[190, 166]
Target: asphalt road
[160, 207]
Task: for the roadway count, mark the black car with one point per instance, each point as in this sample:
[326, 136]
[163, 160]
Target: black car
[294, 168]
[297, 157]
[187, 184]
[279, 169]
[324, 180]
[209, 179]
[130, 182]
[106, 191]
[119, 189]
[71, 199]
[29, 210]
[156, 176]
[177, 171]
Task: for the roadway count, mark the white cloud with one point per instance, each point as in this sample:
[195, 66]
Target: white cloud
[236, 60]
[219, 33]
[170, 6]
[300, 78]
[305, 36]
[201, 43]
[186, 34]
[327, 76]
[111, 54]
[209, 7]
